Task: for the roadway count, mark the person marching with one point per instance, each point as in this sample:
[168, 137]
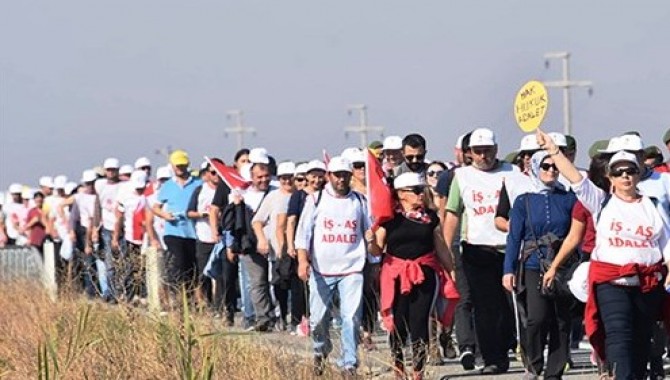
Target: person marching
[413, 267]
[539, 221]
[627, 264]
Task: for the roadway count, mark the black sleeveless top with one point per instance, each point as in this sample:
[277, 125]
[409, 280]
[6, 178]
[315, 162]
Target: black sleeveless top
[408, 239]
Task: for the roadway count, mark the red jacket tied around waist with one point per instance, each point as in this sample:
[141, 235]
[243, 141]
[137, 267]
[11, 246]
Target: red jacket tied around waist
[600, 273]
[409, 273]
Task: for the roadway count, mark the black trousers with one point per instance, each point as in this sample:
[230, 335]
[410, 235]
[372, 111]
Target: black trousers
[463, 318]
[370, 296]
[548, 322]
[228, 287]
[181, 265]
[494, 320]
[411, 316]
[628, 316]
[202, 252]
[298, 296]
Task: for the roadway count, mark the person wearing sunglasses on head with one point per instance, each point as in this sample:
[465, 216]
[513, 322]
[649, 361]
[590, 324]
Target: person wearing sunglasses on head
[539, 222]
[414, 155]
[628, 263]
[413, 269]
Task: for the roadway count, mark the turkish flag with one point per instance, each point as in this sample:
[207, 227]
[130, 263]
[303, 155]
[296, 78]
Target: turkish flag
[379, 195]
[228, 174]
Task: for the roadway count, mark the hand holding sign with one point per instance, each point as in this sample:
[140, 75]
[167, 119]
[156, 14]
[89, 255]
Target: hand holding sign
[530, 105]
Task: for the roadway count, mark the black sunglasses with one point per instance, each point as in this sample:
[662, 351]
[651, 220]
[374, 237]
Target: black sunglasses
[545, 166]
[415, 157]
[415, 189]
[213, 172]
[628, 171]
[434, 173]
[299, 179]
[358, 165]
[286, 177]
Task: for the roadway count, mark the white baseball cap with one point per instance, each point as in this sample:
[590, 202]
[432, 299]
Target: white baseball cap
[164, 172]
[315, 165]
[459, 142]
[301, 168]
[15, 188]
[528, 142]
[88, 176]
[27, 193]
[409, 179]
[559, 139]
[625, 142]
[392, 142]
[353, 155]
[111, 163]
[339, 164]
[46, 182]
[482, 137]
[138, 180]
[126, 170]
[285, 168]
[259, 156]
[579, 284]
[623, 156]
[60, 181]
[69, 187]
[142, 162]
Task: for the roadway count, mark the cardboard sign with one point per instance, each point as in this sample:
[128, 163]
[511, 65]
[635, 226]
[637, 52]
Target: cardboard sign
[530, 106]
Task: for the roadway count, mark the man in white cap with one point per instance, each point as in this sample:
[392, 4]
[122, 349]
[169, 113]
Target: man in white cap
[198, 212]
[133, 219]
[392, 153]
[15, 213]
[144, 164]
[527, 147]
[271, 237]
[315, 181]
[107, 190]
[473, 196]
[245, 245]
[331, 245]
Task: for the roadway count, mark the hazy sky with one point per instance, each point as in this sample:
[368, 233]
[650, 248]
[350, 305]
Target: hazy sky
[84, 80]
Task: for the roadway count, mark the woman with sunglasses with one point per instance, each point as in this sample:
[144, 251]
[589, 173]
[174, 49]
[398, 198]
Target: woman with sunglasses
[435, 169]
[628, 262]
[414, 265]
[539, 221]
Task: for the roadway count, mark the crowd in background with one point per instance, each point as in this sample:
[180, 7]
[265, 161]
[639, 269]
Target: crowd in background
[293, 246]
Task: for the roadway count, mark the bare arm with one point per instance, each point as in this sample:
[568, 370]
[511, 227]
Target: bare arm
[449, 230]
[501, 224]
[291, 224]
[214, 217]
[443, 251]
[280, 233]
[262, 247]
[376, 241]
[564, 165]
[441, 207]
[158, 211]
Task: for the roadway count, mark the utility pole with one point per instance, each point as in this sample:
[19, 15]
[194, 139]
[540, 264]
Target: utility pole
[238, 127]
[565, 84]
[362, 128]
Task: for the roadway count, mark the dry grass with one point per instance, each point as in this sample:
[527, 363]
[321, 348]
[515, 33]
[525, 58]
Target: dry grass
[76, 339]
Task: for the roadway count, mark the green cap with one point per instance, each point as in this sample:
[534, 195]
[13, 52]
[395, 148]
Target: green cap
[572, 143]
[666, 136]
[597, 146]
[510, 157]
[375, 144]
[652, 151]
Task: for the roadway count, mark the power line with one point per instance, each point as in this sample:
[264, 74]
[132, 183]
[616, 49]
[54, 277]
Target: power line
[238, 127]
[565, 83]
[362, 128]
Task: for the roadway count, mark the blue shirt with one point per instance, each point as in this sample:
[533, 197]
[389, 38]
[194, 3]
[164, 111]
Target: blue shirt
[175, 199]
[549, 212]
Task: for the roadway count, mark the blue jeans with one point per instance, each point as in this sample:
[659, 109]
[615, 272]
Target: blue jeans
[628, 316]
[109, 284]
[322, 289]
[245, 292]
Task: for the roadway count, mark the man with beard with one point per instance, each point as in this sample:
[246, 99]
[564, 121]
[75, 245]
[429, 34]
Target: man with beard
[473, 195]
[414, 155]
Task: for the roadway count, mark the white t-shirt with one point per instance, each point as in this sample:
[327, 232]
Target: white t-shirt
[332, 232]
[86, 205]
[476, 194]
[108, 193]
[159, 223]
[133, 207]
[276, 202]
[16, 214]
[203, 231]
[626, 232]
[657, 185]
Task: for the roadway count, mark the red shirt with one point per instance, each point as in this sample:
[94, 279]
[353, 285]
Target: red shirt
[662, 168]
[579, 212]
[37, 232]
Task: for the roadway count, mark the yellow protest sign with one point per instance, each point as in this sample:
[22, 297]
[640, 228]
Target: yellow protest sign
[530, 105]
